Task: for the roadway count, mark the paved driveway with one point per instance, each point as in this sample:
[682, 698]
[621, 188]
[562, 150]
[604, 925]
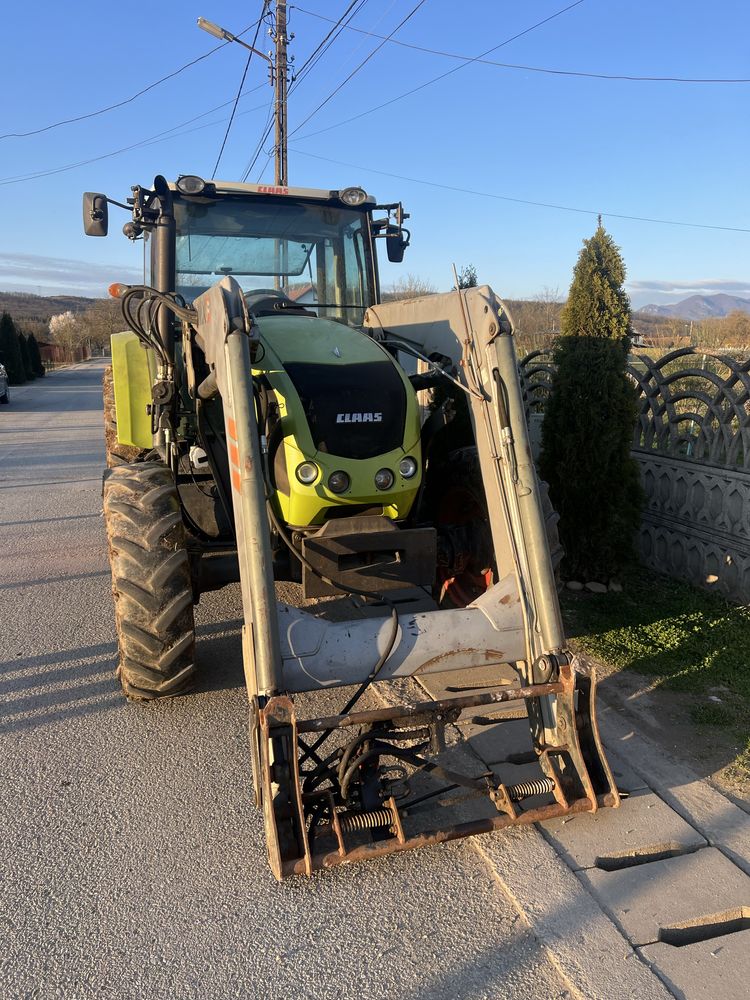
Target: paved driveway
[133, 863]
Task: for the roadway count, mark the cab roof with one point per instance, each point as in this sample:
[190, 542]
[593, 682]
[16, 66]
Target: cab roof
[235, 187]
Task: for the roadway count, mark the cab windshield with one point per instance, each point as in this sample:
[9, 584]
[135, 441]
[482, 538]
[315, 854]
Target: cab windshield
[318, 254]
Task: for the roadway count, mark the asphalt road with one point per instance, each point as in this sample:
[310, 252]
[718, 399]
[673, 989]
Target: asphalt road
[133, 862]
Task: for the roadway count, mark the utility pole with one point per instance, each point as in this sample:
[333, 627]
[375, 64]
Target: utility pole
[280, 71]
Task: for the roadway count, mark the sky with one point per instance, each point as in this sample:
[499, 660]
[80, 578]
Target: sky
[464, 154]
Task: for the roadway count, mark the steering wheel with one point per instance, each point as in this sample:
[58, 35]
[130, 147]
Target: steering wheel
[257, 293]
[266, 301]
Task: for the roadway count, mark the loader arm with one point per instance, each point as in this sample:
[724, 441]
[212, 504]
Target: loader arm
[517, 620]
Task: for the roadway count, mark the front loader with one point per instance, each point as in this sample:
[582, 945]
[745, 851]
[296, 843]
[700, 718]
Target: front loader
[273, 421]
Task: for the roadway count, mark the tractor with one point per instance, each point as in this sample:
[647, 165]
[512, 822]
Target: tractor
[269, 418]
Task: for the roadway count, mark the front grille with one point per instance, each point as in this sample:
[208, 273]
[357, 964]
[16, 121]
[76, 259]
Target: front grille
[351, 510]
[354, 411]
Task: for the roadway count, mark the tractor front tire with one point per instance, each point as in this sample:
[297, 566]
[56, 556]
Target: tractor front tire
[117, 454]
[463, 501]
[151, 581]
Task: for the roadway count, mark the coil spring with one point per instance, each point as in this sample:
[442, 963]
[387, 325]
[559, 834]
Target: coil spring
[356, 822]
[525, 789]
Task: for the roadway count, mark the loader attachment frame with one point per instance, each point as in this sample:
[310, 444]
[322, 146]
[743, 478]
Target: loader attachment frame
[320, 809]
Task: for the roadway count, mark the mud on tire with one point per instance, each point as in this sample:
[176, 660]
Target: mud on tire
[117, 454]
[151, 581]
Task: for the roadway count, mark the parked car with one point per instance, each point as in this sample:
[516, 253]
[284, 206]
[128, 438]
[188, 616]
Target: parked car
[4, 385]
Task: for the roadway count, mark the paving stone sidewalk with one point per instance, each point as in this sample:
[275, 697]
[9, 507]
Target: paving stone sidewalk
[664, 877]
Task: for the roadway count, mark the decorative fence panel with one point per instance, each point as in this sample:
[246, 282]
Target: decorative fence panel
[692, 443]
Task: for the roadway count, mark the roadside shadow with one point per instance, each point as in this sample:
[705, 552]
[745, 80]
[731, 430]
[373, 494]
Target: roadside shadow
[219, 656]
[47, 520]
[665, 714]
[49, 688]
[46, 580]
[675, 668]
[32, 700]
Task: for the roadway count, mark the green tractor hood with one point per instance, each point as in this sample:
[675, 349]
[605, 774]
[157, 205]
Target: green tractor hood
[343, 405]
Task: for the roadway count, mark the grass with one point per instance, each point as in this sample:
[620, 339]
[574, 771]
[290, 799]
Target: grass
[687, 640]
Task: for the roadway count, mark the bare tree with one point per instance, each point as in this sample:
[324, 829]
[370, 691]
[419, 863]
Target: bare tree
[410, 287]
[101, 320]
[552, 307]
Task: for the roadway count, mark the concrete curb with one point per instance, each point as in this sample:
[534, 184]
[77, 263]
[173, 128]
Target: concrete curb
[585, 945]
[582, 938]
[715, 817]
[588, 950]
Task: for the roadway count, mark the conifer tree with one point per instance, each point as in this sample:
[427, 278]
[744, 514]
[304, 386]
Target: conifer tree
[467, 277]
[35, 355]
[10, 351]
[26, 358]
[589, 419]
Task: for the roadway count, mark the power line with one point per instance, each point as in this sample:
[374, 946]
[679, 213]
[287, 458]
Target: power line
[525, 201]
[377, 48]
[239, 91]
[128, 100]
[382, 14]
[322, 48]
[533, 69]
[266, 130]
[351, 11]
[469, 61]
[263, 169]
[151, 140]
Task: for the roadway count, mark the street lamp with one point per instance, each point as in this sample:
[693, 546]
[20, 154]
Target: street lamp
[227, 36]
[278, 77]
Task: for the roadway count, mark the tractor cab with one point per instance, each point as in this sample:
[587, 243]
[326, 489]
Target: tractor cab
[289, 249]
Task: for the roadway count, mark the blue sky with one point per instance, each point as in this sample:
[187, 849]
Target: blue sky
[659, 150]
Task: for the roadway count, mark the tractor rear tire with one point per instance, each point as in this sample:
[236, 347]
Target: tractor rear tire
[462, 490]
[151, 581]
[117, 454]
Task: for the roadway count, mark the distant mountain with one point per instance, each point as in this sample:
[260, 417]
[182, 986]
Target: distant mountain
[700, 307]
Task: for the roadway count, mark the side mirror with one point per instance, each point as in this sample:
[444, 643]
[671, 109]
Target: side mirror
[395, 244]
[95, 214]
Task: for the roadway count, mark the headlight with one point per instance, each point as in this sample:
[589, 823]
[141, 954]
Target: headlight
[352, 196]
[407, 467]
[190, 184]
[338, 482]
[384, 479]
[307, 473]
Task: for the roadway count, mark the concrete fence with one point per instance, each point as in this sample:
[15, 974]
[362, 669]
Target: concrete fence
[691, 441]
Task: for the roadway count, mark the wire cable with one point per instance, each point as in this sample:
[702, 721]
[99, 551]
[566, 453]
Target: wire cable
[313, 58]
[533, 69]
[128, 100]
[364, 62]
[239, 91]
[266, 131]
[442, 76]
[526, 201]
[162, 136]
